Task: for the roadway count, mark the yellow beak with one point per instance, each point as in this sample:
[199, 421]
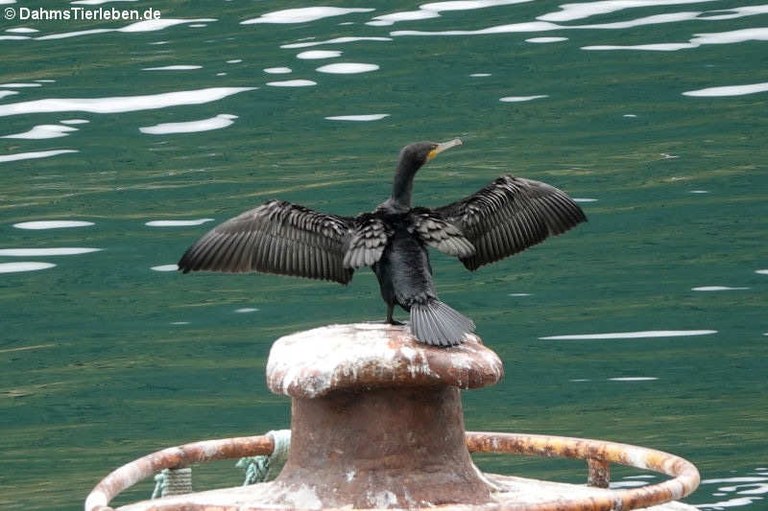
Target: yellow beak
[443, 146]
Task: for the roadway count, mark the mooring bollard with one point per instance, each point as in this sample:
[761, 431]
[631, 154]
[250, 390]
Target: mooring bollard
[377, 422]
[377, 419]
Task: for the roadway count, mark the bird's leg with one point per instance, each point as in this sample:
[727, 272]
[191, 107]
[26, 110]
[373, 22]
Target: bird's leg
[390, 311]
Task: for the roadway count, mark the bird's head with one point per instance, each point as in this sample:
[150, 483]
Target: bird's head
[417, 154]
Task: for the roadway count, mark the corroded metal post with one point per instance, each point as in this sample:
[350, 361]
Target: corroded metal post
[377, 419]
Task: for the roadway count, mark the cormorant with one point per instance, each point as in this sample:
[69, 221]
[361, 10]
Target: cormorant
[507, 216]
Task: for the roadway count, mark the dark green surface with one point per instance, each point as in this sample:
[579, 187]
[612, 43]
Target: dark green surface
[94, 372]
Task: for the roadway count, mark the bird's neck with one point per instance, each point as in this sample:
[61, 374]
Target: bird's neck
[402, 188]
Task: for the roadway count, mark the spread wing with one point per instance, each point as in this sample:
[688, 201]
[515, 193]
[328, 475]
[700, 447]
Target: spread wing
[510, 215]
[366, 241]
[441, 234]
[276, 237]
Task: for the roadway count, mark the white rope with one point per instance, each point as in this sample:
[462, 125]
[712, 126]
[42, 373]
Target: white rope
[173, 482]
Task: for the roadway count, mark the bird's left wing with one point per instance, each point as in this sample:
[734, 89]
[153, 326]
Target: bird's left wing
[276, 237]
[510, 215]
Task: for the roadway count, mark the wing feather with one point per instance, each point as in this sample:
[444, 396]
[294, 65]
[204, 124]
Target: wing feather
[441, 234]
[366, 242]
[510, 215]
[276, 237]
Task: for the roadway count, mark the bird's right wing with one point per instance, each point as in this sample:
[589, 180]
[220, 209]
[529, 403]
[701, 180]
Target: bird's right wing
[276, 237]
[510, 215]
[366, 241]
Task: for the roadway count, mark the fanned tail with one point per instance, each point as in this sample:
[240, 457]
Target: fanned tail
[437, 324]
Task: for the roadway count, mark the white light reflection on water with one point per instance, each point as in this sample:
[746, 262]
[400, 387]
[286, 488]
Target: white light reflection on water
[718, 288]
[302, 15]
[433, 10]
[347, 68]
[318, 54]
[43, 131]
[737, 491]
[358, 118]
[121, 104]
[278, 70]
[520, 99]
[292, 83]
[37, 252]
[178, 223]
[728, 90]
[139, 26]
[213, 123]
[52, 224]
[730, 37]
[544, 40]
[20, 85]
[544, 24]
[337, 40]
[165, 268]
[24, 266]
[34, 155]
[647, 334]
[178, 67]
[582, 10]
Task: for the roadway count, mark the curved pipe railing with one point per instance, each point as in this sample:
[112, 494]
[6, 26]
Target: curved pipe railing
[598, 453]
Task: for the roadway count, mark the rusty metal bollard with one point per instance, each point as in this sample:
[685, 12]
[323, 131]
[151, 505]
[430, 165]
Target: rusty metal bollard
[377, 419]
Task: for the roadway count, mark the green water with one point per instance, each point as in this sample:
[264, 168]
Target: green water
[104, 358]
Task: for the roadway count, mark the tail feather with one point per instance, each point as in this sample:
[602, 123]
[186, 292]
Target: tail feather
[437, 324]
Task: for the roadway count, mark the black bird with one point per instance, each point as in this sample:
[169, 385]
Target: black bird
[506, 217]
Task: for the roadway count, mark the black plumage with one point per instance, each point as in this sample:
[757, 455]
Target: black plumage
[506, 217]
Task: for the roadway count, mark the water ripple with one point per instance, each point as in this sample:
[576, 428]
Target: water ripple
[520, 99]
[24, 266]
[178, 223]
[39, 252]
[52, 224]
[121, 104]
[358, 118]
[292, 83]
[43, 131]
[302, 15]
[34, 154]
[729, 90]
[647, 334]
[213, 123]
[139, 26]
[583, 10]
[347, 68]
[336, 40]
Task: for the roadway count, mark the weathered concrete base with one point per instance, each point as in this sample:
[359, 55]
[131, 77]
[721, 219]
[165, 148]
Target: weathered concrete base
[515, 494]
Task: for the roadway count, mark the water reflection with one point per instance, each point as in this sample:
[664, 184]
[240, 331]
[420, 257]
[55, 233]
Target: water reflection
[31, 155]
[24, 266]
[358, 118]
[347, 68]
[43, 131]
[302, 15]
[645, 334]
[121, 104]
[213, 123]
[35, 252]
[733, 492]
[52, 224]
[292, 83]
[729, 90]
